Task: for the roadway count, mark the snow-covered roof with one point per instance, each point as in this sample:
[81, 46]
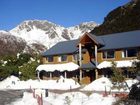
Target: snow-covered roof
[60, 67]
[124, 63]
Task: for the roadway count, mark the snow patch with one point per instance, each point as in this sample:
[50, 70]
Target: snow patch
[100, 84]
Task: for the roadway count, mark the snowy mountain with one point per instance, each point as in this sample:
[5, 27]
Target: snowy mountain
[47, 33]
[36, 36]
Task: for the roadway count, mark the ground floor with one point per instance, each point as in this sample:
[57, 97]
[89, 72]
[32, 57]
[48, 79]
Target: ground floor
[88, 75]
[56, 74]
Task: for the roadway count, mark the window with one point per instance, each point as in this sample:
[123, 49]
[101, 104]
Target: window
[108, 54]
[129, 53]
[62, 58]
[75, 57]
[50, 59]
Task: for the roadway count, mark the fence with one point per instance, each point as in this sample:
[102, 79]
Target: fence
[38, 97]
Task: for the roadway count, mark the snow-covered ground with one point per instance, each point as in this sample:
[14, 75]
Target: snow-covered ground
[62, 84]
[70, 98]
[101, 84]
[79, 97]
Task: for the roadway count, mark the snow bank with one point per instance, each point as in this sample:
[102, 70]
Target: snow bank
[9, 82]
[62, 84]
[71, 98]
[130, 82]
[104, 83]
[97, 99]
[100, 84]
[74, 98]
[26, 100]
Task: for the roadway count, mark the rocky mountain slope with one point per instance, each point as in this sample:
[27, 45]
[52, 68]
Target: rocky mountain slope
[48, 33]
[122, 19]
[10, 44]
[35, 36]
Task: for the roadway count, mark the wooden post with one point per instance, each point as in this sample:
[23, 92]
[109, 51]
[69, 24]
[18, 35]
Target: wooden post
[96, 62]
[34, 93]
[65, 74]
[38, 76]
[41, 103]
[96, 74]
[80, 60]
[96, 55]
[50, 75]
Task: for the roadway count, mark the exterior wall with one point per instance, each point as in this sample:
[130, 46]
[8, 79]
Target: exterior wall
[86, 80]
[44, 60]
[55, 59]
[118, 56]
[99, 57]
[86, 57]
[70, 58]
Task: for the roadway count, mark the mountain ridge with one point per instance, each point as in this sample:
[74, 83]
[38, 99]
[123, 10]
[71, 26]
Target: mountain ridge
[40, 35]
[49, 33]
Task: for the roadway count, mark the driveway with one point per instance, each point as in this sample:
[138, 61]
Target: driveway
[8, 96]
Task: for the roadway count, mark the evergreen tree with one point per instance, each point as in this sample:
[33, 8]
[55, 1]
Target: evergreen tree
[117, 77]
[28, 70]
[22, 59]
[11, 65]
[6, 71]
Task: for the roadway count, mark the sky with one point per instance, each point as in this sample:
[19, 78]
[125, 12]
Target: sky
[63, 12]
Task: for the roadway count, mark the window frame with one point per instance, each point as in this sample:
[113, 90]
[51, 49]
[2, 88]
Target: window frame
[126, 53]
[105, 54]
[50, 58]
[62, 58]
